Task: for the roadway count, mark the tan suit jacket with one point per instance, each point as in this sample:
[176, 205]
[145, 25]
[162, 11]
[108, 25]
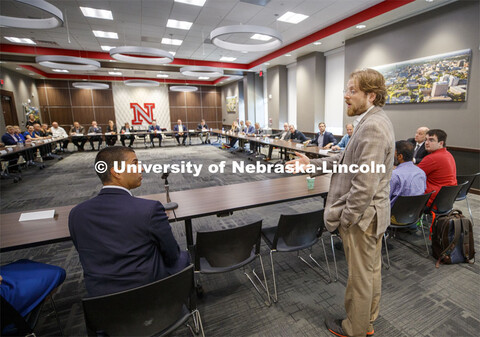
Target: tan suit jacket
[355, 198]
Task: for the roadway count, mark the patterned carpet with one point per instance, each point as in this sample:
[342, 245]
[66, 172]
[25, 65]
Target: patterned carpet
[417, 298]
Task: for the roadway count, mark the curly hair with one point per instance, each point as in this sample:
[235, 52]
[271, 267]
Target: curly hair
[369, 80]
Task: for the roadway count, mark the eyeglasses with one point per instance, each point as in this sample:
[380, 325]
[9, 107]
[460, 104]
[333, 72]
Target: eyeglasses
[349, 92]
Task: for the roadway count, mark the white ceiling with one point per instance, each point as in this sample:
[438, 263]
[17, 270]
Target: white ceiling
[143, 23]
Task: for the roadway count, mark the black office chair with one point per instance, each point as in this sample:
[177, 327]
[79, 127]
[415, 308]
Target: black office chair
[226, 250]
[157, 308]
[295, 233]
[443, 202]
[463, 194]
[408, 211]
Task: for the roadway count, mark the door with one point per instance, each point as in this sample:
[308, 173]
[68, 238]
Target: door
[8, 107]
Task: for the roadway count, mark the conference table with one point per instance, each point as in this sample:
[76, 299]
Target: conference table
[293, 146]
[196, 203]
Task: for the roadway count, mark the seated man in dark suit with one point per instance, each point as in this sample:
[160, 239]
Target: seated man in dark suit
[77, 133]
[181, 131]
[203, 127]
[95, 129]
[123, 242]
[155, 132]
[419, 152]
[127, 133]
[323, 139]
[296, 136]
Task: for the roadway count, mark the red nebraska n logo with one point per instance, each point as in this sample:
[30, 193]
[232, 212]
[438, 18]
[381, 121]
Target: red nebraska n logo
[139, 113]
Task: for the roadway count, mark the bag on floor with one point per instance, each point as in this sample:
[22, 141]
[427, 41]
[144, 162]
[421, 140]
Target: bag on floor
[452, 239]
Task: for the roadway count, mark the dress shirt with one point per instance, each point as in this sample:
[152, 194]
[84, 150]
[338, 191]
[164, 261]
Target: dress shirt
[343, 142]
[407, 180]
[59, 132]
[360, 117]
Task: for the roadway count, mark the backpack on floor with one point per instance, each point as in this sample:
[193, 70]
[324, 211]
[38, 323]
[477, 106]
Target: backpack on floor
[452, 239]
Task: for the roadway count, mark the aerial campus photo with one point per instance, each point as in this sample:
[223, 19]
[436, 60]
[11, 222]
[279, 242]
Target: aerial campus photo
[437, 78]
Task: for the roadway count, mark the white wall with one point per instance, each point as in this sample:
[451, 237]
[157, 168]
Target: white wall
[292, 94]
[334, 79]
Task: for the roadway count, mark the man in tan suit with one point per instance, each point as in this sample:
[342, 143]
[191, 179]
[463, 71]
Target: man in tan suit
[358, 204]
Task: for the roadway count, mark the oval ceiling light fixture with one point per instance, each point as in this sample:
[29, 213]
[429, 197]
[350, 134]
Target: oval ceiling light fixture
[156, 56]
[184, 88]
[141, 83]
[217, 33]
[197, 71]
[55, 21]
[67, 62]
[90, 85]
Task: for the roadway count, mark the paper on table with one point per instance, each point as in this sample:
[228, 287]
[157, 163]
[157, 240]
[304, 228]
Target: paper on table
[323, 152]
[37, 215]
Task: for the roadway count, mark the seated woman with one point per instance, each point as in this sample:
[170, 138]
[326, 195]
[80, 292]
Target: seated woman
[127, 133]
[112, 138]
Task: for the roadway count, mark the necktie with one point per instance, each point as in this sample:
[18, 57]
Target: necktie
[416, 150]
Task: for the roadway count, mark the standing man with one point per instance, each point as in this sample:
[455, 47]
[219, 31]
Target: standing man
[419, 152]
[358, 204]
[123, 242]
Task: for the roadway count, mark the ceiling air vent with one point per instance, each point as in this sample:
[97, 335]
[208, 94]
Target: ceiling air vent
[48, 43]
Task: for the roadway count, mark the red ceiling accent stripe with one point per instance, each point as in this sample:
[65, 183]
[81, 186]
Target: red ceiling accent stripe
[367, 14]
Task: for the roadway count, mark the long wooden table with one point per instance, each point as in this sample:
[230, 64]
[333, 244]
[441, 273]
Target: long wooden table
[192, 204]
[283, 144]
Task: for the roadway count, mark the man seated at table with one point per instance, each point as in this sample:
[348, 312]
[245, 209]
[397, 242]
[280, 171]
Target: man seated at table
[123, 242]
[77, 132]
[127, 133]
[249, 128]
[155, 132]
[181, 131]
[58, 131]
[256, 131]
[282, 135]
[419, 142]
[439, 165]
[407, 179]
[296, 135]
[323, 139]
[203, 127]
[342, 144]
[10, 138]
[93, 129]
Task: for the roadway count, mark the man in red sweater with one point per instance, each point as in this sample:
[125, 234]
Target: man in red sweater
[439, 165]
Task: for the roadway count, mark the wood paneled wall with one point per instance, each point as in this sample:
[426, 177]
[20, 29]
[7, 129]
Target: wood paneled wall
[61, 102]
[192, 107]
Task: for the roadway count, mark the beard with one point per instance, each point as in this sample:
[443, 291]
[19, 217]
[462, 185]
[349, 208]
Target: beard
[356, 110]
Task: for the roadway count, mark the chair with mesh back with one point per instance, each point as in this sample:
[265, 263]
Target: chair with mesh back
[408, 211]
[157, 308]
[294, 233]
[226, 250]
[443, 202]
[463, 194]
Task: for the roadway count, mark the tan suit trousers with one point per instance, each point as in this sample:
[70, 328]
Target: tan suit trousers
[362, 296]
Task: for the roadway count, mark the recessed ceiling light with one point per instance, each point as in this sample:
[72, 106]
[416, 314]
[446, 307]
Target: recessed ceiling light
[317, 43]
[261, 37]
[288, 54]
[115, 73]
[244, 52]
[175, 42]
[107, 48]
[292, 17]
[173, 53]
[162, 75]
[203, 78]
[429, 0]
[192, 2]
[179, 24]
[31, 73]
[361, 26]
[60, 70]
[19, 40]
[106, 35]
[97, 13]
[227, 59]
[18, 68]
[267, 63]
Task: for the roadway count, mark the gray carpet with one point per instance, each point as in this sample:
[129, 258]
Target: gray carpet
[417, 298]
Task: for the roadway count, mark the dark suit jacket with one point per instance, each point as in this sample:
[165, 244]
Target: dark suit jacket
[185, 130]
[421, 153]
[200, 127]
[9, 139]
[123, 242]
[298, 136]
[327, 138]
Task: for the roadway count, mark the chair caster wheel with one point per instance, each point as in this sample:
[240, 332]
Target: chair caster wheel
[15, 180]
